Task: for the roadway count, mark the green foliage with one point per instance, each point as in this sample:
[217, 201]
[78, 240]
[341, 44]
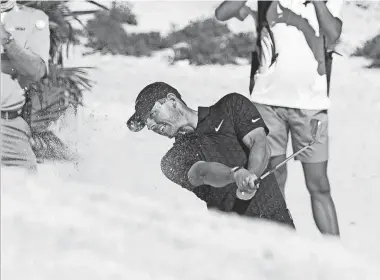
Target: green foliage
[122, 12]
[143, 44]
[370, 50]
[49, 98]
[202, 42]
[210, 42]
[47, 146]
[206, 28]
[106, 33]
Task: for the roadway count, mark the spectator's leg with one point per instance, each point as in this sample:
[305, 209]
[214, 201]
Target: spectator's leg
[322, 203]
[275, 119]
[314, 161]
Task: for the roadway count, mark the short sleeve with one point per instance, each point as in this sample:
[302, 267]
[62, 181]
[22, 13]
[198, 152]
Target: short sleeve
[244, 114]
[176, 164]
[335, 8]
[38, 40]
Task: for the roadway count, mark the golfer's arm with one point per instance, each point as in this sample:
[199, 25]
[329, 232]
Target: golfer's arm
[330, 26]
[210, 173]
[228, 10]
[25, 62]
[260, 152]
[6, 65]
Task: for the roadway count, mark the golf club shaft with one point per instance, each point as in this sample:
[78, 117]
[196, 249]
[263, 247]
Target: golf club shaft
[282, 163]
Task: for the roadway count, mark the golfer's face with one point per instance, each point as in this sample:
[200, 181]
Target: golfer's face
[163, 119]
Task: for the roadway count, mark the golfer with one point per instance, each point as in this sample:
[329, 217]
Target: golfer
[218, 153]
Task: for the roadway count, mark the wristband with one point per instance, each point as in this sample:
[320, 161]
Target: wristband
[236, 168]
[233, 171]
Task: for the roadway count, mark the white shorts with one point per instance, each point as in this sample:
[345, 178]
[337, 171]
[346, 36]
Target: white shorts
[282, 120]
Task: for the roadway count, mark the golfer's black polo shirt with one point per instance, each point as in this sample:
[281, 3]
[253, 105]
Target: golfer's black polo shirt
[218, 138]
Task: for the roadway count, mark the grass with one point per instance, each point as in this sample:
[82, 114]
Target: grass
[370, 50]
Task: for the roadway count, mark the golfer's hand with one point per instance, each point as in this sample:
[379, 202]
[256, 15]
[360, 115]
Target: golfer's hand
[242, 13]
[245, 180]
[4, 34]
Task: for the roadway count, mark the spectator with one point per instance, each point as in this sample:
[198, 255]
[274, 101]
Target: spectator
[290, 86]
[25, 47]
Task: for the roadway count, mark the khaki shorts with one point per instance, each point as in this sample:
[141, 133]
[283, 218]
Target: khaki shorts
[281, 121]
[15, 146]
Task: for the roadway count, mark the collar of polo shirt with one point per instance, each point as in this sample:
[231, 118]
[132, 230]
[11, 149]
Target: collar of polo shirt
[203, 113]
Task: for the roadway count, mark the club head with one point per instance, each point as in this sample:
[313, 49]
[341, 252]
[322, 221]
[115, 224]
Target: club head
[315, 129]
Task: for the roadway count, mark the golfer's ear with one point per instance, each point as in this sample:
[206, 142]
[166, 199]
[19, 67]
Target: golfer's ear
[173, 98]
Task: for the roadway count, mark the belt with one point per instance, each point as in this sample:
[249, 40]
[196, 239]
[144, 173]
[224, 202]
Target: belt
[9, 115]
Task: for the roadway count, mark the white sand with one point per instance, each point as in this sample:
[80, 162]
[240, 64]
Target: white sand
[115, 216]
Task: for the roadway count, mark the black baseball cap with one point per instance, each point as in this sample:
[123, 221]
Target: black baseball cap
[145, 101]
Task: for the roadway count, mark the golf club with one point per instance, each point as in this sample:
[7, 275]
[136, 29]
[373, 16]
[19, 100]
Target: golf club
[315, 125]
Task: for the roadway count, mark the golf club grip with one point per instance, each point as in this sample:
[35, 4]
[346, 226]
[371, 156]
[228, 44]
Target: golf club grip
[258, 180]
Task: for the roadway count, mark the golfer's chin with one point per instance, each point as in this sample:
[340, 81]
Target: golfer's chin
[174, 135]
[179, 132]
[170, 136]
[185, 130]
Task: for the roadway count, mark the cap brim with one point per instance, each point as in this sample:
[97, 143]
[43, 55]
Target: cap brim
[135, 123]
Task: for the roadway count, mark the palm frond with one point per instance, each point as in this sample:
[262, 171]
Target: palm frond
[63, 88]
[97, 4]
[81, 13]
[73, 80]
[46, 145]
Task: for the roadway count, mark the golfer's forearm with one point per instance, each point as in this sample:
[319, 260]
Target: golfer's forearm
[210, 173]
[330, 26]
[25, 62]
[228, 9]
[259, 156]
[6, 65]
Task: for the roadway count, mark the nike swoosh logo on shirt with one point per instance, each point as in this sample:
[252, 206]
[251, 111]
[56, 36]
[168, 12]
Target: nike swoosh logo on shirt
[219, 126]
[255, 120]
